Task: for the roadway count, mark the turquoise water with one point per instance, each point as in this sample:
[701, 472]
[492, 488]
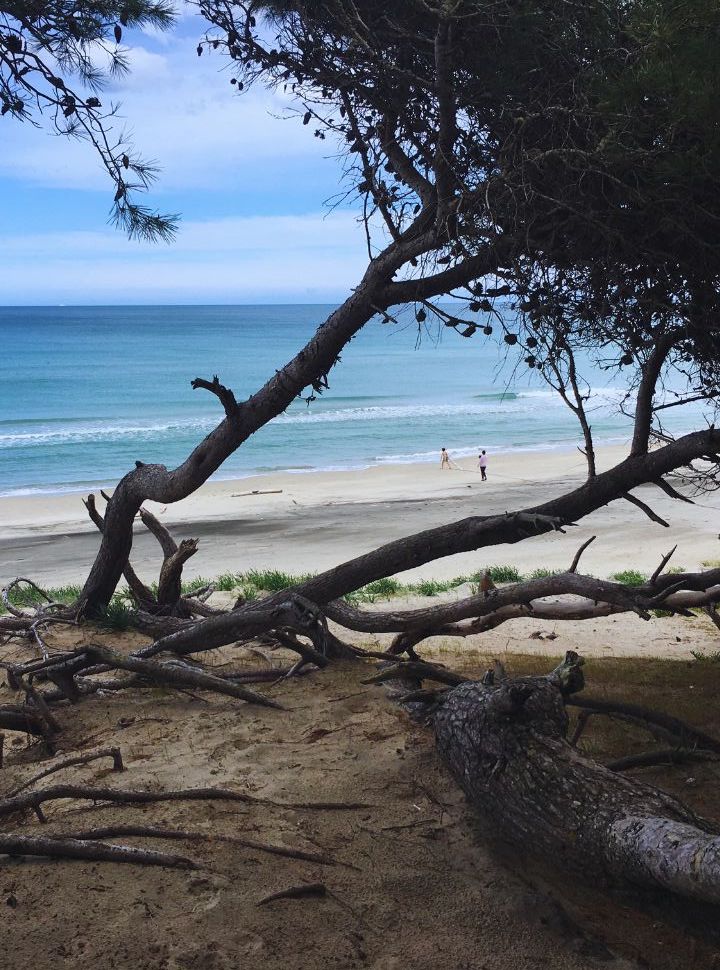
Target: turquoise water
[87, 391]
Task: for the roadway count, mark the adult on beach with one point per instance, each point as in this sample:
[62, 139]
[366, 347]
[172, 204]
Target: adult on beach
[482, 465]
[444, 459]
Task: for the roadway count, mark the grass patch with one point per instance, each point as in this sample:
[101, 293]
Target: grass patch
[116, 616]
[542, 573]
[384, 587]
[499, 574]
[711, 563]
[227, 582]
[200, 582]
[431, 587]
[630, 577]
[272, 580]
[22, 596]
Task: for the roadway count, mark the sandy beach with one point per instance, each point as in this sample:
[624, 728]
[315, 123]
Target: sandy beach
[310, 522]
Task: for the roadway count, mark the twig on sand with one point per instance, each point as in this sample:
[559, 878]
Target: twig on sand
[296, 892]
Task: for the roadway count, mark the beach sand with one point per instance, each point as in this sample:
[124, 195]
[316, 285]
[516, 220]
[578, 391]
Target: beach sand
[311, 522]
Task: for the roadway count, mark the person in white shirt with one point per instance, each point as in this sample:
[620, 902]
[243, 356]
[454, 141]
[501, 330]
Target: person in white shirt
[482, 465]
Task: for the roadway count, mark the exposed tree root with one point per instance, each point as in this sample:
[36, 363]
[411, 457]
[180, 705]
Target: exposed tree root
[70, 848]
[80, 759]
[146, 831]
[35, 799]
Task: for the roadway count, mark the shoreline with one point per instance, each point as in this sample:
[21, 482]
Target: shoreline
[311, 522]
[466, 455]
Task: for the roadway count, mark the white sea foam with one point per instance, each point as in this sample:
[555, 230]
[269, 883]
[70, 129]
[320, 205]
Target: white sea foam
[519, 403]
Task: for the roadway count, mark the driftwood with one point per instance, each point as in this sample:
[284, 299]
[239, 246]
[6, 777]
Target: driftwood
[506, 746]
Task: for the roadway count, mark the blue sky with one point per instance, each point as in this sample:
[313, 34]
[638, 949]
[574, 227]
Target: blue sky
[251, 187]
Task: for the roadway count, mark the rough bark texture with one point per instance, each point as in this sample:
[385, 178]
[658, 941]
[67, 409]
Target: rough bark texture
[506, 747]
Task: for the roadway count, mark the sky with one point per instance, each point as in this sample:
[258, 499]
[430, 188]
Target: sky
[252, 186]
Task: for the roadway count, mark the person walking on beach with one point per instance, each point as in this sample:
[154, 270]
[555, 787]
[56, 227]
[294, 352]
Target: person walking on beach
[482, 465]
[444, 459]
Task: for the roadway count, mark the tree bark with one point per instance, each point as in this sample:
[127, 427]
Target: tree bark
[506, 746]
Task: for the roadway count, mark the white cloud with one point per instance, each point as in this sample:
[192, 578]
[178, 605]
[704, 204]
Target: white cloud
[182, 112]
[312, 258]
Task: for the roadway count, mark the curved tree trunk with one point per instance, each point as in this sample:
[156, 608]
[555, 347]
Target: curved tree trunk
[506, 747]
[309, 368]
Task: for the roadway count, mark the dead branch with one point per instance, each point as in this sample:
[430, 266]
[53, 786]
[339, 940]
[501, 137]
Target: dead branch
[16, 718]
[147, 831]
[283, 611]
[224, 394]
[687, 736]
[672, 492]
[34, 799]
[663, 563]
[178, 675]
[69, 848]
[169, 583]
[81, 759]
[416, 668]
[578, 554]
[668, 756]
[712, 612]
[653, 516]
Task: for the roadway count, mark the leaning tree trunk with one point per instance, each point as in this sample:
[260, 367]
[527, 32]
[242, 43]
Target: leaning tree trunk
[507, 749]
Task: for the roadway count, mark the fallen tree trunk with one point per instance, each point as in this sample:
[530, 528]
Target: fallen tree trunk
[506, 746]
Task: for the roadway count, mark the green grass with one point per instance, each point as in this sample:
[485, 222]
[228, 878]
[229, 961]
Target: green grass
[22, 596]
[256, 581]
[542, 573]
[273, 580]
[384, 587]
[430, 587]
[630, 577]
[227, 582]
[117, 615]
[500, 574]
[192, 585]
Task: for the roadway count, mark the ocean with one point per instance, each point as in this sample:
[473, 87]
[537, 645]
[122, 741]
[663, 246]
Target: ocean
[87, 391]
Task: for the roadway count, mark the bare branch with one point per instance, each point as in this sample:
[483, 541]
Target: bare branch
[663, 563]
[646, 509]
[578, 554]
[224, 394]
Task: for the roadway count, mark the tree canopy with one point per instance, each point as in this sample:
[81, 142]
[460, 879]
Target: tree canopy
[574, 147]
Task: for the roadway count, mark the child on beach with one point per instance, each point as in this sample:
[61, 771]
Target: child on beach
[444, 459]
[482, 465]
